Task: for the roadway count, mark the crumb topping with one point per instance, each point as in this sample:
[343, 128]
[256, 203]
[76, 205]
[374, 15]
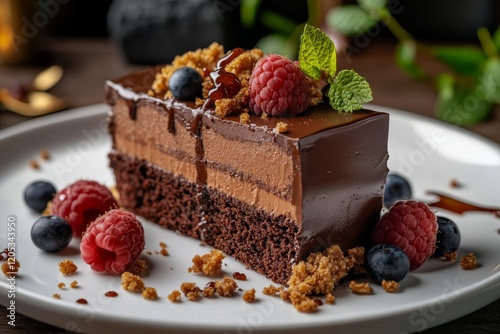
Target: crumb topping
[139, 267]
[149, 293]
[208, 264]
[330, 298]
[271, 290]
[174, 296]
[249, 295]
[244, 117]
[450, 256]
[61, 285]
[281, 127]
[67, 267]
[360, 288]
[131, 282]
[190, 290]
[10, 268]
[303, 303]
[226, 287]
[390, 286]
[209, 290]
[56, 296]
[74, 284]
[468, 262]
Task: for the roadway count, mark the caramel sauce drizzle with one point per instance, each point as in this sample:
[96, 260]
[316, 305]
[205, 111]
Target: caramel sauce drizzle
[458, 206]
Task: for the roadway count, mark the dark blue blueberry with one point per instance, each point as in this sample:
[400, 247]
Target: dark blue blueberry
[38, 193]
[51, 233]
[185, 84]
[387, 262]
[396, 188]
[448, 237]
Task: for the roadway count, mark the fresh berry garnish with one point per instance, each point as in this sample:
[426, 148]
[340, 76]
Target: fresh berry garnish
[81, 203]
[396, 188]
[113, 242]
[410, 225]
[387, 262]
[277, 87]
[185, 83]
[38, 193]
[448, 237]
[51, 233]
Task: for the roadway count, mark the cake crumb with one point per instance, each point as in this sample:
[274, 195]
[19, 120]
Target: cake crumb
[226, 287]
[244, 117]
[131, 282]
[45, 155]
[139, 267]
[11, 267]
[209, 290]
[303, 303]
[61, 285]
[285, 295]
[149, 252]
[56, 296]
[468, 262]
[151, 92]
[264, 115]
[163, 249]
[390, 286]
[190, 290]
[281, 127]
[74, 284]
[175, 296]
[67, 267]
[450, 256]
[249, 295]
[454, 183]
[149, 293]
[207, 264]
[360, 288]
[330, 298]
[271, 290]
[34, 164]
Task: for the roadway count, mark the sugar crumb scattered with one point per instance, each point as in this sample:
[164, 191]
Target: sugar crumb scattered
[45, 155]
[271, 290]
[330, 298]
[61, 285]
[226, 287]
[11, 267]
[450, 256]
[281, 127]
[468, 262]
[67, 267]
[360, 288]
[149, 293]
[208, 264]
[34, 164]
[249, 295]
[190, 290]
[139, 267]
[74, 284]
[174, 296]
[454, 183]
[209, 290]
[244, 117]
[303, 303]
[56, 296]
[131, 282]
[390, 286]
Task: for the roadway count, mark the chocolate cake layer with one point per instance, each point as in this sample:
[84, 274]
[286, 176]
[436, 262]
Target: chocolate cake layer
[267, 198]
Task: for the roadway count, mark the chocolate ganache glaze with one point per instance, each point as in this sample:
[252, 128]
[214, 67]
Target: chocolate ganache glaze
[332, 186]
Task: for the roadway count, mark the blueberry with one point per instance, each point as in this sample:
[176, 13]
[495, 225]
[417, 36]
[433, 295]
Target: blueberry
[396, 188]
[387, 262]
[448, 237]
[185, 84]
[38, 193]
[51, 233]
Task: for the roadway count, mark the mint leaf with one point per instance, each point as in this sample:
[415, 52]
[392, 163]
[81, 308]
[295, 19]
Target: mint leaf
[248, 12]
[349, 91]
[372, 5]
[406, 54]
[490, 81]
[350, 20]
[317, 53]
[466, 60]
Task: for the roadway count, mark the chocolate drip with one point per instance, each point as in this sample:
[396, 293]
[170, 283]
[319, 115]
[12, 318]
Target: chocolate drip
[171, 120]
[457, 206]
[132, 109]
[226, 84]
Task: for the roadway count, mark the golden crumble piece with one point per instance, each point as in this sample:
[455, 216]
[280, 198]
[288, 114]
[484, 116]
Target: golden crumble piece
[454, 183]
[190, 290]
[45, 155]
[149, 293]
[61, 285]
[468, 262]
[321, 271]
[56, 296]
[285, 295]
[11, 267]
[303, 303]
[360, 288]
[174, 296]
[264, 115]
[330, 298]
[149, 252]
[131, 282]
[48, 209]
[281, 127]
[244, 117]
[74, 284]
[271, 290]
[163, 249]
[390, 286]
[450, 256]
[67, 267]
[151, 92]
[34, 164]
[207, 264]
[249, 295]
[226, 287]
[203, 60]
[209, 290]
[139, 267]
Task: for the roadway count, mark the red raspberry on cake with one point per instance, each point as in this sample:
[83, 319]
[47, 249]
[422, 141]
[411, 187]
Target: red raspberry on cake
[113, 242]
[278, 86]
[81, 203]
[410, 225]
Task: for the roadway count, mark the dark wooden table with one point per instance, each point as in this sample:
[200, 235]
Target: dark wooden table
[88, 63]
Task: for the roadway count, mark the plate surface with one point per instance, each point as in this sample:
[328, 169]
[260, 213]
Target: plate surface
[429, 153]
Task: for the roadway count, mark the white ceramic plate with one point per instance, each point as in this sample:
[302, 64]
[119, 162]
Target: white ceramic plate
[429, 153]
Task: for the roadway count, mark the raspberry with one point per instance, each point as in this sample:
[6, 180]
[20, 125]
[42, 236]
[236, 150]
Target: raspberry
[113, 242]
[278, 86]
[410, 225]
[81, 203]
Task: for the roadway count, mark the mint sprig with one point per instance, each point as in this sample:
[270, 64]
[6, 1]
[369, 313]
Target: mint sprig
[318, 59]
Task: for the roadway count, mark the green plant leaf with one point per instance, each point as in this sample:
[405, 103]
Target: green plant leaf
[278, 23]
[317, 53]
[496, 38]
[406, 59]
[248, 12]
[466, 60]
[275, 43]
[445, 84]
[372, 5]
[349, 91]
[350, 20]
[462, 105]
[490, 80]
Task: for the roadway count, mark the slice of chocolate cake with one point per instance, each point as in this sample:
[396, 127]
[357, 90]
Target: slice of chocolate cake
[266, 190]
